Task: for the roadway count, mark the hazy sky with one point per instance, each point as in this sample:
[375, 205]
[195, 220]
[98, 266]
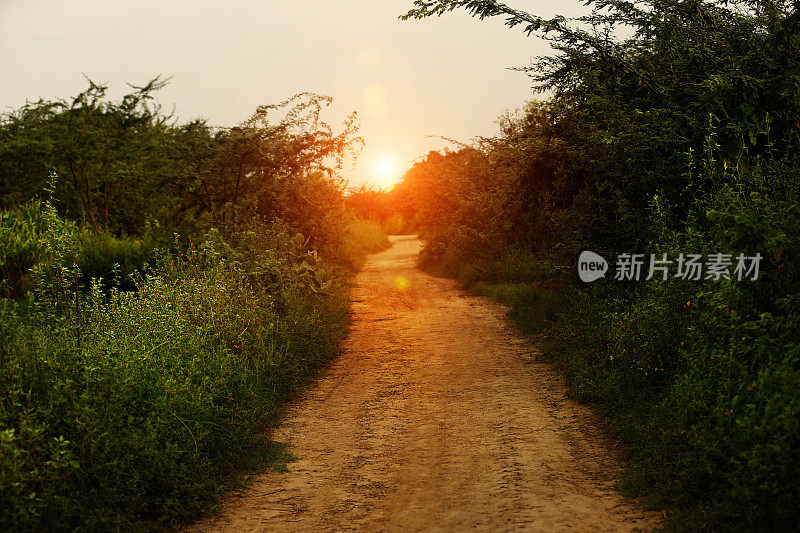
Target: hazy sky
[407, 80]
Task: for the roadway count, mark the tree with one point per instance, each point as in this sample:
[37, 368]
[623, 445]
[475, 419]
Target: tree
[108, 156]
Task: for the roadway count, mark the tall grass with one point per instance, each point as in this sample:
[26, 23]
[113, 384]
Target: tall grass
[363, 237]
[22, 235]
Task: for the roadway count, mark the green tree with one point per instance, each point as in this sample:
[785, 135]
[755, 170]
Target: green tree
[111, 157]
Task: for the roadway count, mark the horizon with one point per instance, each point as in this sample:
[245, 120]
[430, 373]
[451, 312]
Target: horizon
[413, 83]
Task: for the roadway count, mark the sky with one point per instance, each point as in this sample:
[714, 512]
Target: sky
[411, 82]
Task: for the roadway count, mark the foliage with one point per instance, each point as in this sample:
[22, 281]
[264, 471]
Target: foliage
[112, 156]
[123, 167]
[386, 207]
[22, 240]
[180, 282]
[120, 408]
[23, 244]
[672, 128]
[369, 203]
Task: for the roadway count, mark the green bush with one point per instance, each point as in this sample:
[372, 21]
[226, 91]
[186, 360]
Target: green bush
[103, 256]
[138, 374]
[699, 379]
[127, 409]
[23, 244]
[22, 241]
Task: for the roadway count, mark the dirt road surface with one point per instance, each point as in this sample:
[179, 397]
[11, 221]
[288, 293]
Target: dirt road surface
[437, 416]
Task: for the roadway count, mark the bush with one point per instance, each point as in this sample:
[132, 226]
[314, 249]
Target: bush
[121, 409]
[395, 224]
[363, 237]
[699, 379]
[137, 375]
[22, 241]
[103, 256]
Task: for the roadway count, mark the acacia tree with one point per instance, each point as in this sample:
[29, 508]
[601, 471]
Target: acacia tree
[696, 88]
[109, 156]
[256, 162]
[120, 163]
[283, 163]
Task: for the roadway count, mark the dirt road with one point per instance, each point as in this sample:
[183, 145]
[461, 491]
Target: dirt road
[436, 417]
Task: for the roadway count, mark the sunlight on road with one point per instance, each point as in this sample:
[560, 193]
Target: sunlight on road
[401, 283]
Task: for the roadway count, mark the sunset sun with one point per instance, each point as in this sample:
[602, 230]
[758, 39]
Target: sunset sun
[386, 171]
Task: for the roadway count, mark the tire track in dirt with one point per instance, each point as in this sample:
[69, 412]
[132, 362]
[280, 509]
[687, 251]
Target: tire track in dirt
[437, 416]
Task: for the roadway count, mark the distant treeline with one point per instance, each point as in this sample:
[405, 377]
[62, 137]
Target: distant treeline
[681, 138]
[164, 288]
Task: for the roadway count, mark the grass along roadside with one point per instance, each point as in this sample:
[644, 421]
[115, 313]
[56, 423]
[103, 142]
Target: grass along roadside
[136, 409]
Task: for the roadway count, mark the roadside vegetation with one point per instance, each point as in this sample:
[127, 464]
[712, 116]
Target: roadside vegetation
[679, 134]
[165, 288]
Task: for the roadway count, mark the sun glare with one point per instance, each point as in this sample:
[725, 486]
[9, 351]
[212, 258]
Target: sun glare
[386, 172]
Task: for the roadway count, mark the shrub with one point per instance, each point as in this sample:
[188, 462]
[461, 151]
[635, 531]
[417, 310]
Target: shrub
[22, 240]
[363, 237]
[103, 256]
[121, 409]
